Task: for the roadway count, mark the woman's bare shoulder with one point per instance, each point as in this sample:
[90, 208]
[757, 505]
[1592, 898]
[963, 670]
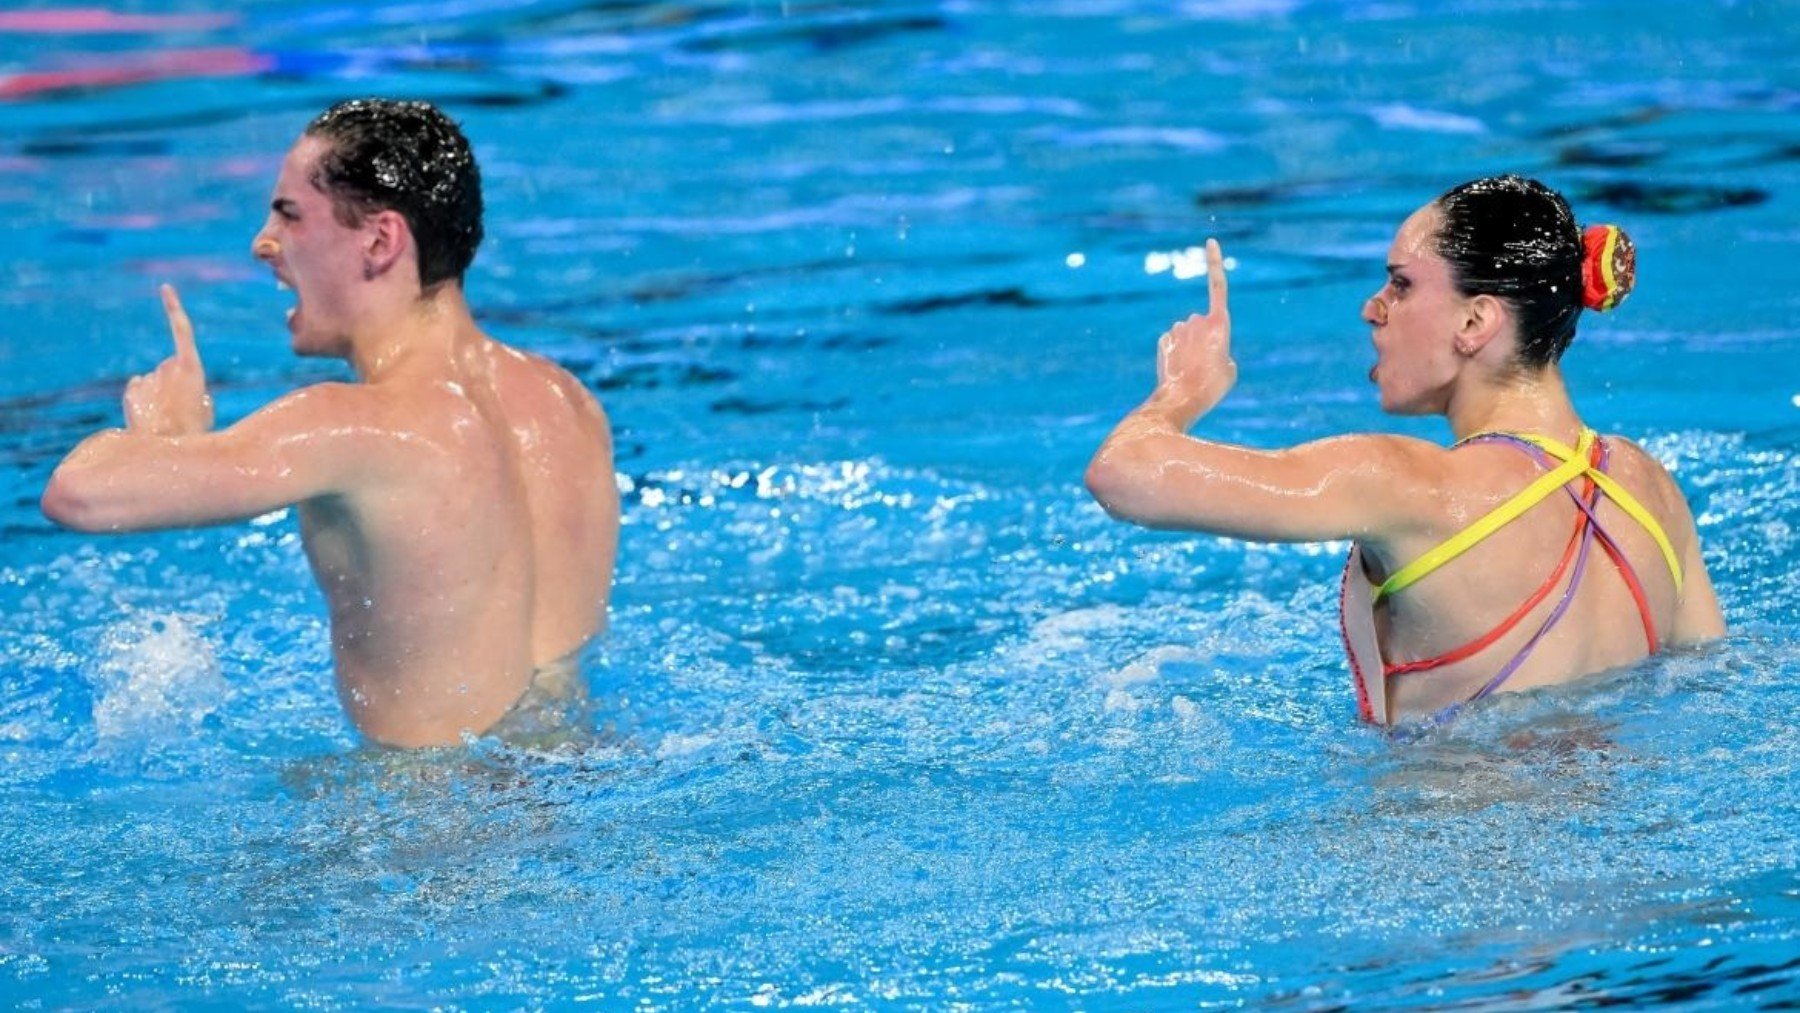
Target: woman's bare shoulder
[1644, 473]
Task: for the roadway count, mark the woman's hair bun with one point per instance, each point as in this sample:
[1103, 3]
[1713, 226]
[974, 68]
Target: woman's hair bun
[1608, 267]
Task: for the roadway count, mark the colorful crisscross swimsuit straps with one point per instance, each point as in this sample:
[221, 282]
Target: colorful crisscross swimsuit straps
[1564, 469]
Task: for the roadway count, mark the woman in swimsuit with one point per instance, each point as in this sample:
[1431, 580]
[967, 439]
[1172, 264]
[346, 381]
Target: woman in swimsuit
[1531, 551]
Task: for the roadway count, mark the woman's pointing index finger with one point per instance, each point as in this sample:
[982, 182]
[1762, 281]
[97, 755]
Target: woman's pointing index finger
[1216, 287]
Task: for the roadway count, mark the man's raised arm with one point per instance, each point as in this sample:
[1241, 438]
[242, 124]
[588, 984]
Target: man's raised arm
[168, 469]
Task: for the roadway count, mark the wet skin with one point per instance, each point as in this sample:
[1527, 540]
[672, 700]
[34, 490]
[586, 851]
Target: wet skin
[457, 502]
[1437, 352]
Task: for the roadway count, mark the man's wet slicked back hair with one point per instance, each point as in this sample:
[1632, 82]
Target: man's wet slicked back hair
[1516, 238]
[410, 158]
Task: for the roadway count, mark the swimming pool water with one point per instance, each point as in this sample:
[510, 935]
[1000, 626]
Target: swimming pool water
[890, 715]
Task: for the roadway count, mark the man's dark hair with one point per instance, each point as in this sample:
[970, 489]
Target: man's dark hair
[410, 158]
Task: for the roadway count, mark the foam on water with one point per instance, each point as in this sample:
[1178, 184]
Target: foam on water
[157, 677]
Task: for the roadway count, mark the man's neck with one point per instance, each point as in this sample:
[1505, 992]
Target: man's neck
[408, 335]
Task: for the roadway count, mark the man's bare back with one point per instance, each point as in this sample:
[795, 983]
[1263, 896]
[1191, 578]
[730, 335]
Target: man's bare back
[457, 504]
[450, 581]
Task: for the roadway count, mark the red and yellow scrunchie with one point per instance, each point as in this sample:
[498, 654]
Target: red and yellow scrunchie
[1608, 268]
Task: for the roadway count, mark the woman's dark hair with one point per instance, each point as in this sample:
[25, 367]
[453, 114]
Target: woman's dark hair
[410, 158]
[1516, 238]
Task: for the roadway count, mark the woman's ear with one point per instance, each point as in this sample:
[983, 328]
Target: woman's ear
[1484, 319]
[387, 238]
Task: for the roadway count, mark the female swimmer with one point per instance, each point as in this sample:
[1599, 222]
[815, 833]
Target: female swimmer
[1531, 551]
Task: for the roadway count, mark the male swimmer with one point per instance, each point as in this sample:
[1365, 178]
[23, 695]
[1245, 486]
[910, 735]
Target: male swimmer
[457, 502]
[1530, 552]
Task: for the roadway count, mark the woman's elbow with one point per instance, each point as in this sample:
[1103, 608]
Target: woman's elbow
[1098, 479]
[1113, 486]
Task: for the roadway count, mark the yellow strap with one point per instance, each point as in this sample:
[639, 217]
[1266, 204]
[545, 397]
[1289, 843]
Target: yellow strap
[1575, 464]
[1546, 485]
[1624, 500]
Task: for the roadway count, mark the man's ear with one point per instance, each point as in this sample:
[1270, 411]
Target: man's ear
[387, 239]
[1484, 318]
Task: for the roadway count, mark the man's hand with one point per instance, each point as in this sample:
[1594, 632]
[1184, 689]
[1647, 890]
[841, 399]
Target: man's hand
[1194, 369]
[172, 399]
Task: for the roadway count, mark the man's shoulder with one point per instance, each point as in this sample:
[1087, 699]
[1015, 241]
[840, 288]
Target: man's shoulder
[385, 424]
[530, 375]
[314, 410]
[530, 363]
[328, 397]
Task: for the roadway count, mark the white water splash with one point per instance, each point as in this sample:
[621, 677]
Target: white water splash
[157, 677]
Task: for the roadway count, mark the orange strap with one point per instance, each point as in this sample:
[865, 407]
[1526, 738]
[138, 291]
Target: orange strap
[1488, 639]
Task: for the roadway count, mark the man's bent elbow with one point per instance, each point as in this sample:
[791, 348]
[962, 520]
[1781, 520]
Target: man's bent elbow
[63, 503]
[67, 502]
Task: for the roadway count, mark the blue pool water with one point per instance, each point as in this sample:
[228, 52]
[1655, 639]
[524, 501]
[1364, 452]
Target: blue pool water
[891, 716]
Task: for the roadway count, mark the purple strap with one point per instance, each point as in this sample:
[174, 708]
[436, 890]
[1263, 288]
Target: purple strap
[1594, 529]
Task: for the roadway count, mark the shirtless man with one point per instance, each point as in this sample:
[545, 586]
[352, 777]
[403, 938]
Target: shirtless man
[457, 502]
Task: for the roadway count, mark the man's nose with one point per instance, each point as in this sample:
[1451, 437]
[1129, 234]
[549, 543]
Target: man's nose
[263, 247]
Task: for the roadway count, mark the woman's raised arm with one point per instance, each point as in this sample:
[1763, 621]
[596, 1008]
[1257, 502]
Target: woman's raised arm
[1150, 472]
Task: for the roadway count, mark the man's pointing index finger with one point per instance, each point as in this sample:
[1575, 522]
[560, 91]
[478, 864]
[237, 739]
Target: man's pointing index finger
[179, 326]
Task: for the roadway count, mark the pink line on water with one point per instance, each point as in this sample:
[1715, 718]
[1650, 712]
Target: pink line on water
[131, 69]
[145, 221]
[211, 269]
[96, 20]
[248, 167]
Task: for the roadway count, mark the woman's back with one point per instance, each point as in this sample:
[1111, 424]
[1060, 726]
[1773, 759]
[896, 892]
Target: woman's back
[1536, 607]
[1508, 561]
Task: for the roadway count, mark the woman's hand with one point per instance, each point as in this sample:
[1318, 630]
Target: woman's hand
[172, 399]
[1194, 368]
[1150, 471]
